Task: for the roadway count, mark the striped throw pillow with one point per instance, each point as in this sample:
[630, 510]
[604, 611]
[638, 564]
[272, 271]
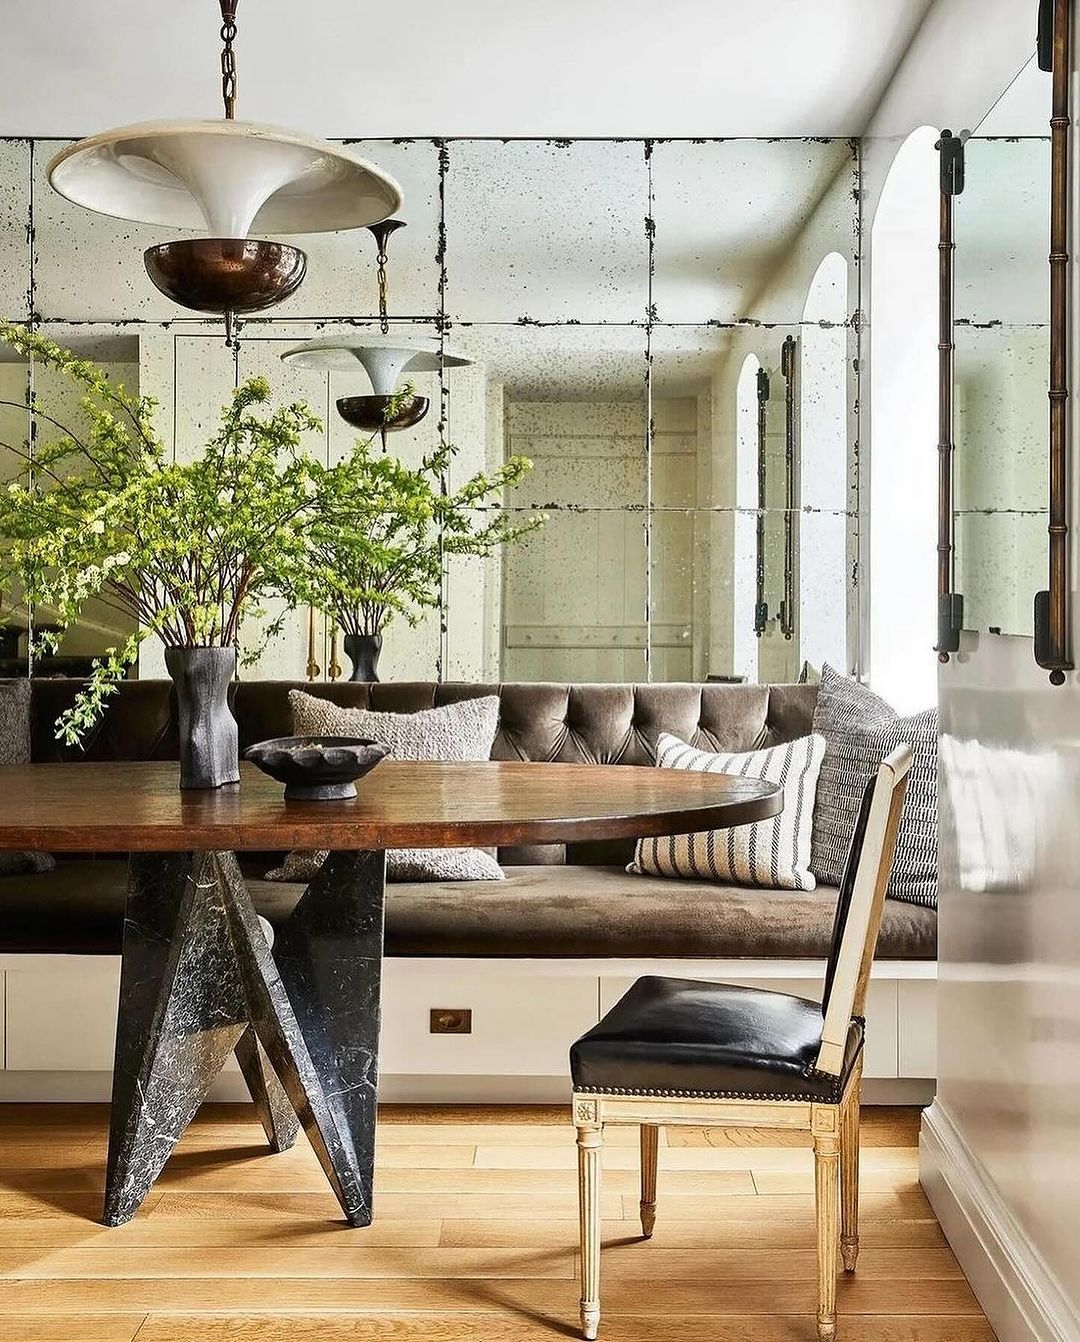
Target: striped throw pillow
[773, 853]
[860, 729]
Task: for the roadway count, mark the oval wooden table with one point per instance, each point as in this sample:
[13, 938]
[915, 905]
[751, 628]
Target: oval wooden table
[199, 978]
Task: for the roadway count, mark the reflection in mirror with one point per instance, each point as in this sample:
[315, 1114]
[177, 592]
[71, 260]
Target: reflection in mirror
[546, 230]
[636, 398]
[106, 621]
[572, 399]
[1002, 353]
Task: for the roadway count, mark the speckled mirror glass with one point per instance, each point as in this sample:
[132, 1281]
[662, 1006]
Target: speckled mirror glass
[607, 299]
[1001, 362]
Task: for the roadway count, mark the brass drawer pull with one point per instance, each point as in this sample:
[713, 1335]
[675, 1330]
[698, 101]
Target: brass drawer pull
[450, 1020]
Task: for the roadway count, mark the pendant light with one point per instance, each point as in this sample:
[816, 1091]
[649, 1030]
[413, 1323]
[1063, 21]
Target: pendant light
[384, 360]
[228, 178]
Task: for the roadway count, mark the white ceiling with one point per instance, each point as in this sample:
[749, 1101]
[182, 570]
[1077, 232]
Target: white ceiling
[477, 67]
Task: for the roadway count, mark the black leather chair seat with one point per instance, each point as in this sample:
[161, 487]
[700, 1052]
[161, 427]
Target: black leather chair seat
[681, 1037]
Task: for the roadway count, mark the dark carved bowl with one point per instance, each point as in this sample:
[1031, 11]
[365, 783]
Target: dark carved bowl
[369, 413]
[317, 768]
[225, 274]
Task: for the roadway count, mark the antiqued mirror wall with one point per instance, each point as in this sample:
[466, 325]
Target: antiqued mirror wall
[1001, 335]
[615, 303]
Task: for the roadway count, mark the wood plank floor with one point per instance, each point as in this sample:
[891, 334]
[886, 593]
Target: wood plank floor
[475, 1237]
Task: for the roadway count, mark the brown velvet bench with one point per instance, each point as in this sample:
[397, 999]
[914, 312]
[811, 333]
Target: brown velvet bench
[568, 917]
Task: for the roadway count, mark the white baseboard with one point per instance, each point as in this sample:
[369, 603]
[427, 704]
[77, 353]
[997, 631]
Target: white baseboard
[1021, 1296]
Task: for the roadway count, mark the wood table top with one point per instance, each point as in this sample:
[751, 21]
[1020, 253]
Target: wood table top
[138, 807]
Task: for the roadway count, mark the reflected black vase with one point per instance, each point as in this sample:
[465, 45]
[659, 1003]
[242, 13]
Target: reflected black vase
[363, 651]
[209, 739]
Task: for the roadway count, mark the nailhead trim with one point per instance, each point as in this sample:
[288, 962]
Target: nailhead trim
[831, 1098]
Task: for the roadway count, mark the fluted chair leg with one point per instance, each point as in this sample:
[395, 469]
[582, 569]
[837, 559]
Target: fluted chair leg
[849, 1180]
[589, 1141]
[827, 1196]
[650, 1151]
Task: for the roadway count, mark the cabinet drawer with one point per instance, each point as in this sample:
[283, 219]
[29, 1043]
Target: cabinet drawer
[881, 1051]
[917, 1033]
[520, 1025]
[62, 1018]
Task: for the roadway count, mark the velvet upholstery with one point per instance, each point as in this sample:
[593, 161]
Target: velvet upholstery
[580, 911]
[590, 908]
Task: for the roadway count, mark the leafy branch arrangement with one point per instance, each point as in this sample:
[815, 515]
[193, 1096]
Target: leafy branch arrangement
[380, 532]
[190, 551]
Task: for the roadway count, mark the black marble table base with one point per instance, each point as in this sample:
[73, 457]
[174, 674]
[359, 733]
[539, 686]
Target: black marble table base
[200, 981]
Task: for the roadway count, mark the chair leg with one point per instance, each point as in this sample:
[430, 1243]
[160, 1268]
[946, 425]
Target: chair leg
[849, 1179]
[650, 1148]
[589, 1142]
[826, 1124]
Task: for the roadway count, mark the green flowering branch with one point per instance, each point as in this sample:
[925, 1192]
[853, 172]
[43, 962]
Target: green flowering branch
[184, 551]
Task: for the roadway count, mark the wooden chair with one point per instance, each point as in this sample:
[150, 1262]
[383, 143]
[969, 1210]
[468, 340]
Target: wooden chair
[678, 1051]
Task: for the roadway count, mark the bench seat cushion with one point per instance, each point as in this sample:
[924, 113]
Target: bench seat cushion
[549, 912]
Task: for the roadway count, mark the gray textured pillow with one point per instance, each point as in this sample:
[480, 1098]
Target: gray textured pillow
[860, 729]
[404, 864]
[15, 749]
[461, 731]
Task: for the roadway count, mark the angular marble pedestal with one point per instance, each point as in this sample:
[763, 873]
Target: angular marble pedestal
[199, 981]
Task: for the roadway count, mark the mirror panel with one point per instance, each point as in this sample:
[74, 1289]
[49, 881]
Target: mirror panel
[644, 445]
[1001, 336]
[546, 230]
[731, 217]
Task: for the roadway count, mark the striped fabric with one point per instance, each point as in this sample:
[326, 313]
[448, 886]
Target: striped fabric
[773, 853]
[860, 729]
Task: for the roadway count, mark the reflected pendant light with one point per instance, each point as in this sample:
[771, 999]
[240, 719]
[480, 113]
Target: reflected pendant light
[228, 178]
[384, 361]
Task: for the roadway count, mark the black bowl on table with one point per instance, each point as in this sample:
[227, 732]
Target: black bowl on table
[317, 768]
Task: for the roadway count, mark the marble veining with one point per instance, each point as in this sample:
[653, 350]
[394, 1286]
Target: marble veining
[199, 980]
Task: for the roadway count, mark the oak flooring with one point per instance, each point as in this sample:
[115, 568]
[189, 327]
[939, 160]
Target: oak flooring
[475, 1237]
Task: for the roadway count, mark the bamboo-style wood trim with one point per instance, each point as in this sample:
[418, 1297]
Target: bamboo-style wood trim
[761, 606]
[950, 149]
[1052, 605]
[789, 367]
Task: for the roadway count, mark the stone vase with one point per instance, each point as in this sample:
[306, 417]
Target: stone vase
[209, 739]
[363, 651]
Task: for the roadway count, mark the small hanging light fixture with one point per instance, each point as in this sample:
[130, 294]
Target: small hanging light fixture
[384, 362]
[227, 177]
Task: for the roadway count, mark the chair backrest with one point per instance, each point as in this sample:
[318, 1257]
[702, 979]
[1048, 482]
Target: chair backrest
[859, 905]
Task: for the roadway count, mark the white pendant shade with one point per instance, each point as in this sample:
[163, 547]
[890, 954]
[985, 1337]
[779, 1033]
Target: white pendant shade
[384, 363]
[229, 178]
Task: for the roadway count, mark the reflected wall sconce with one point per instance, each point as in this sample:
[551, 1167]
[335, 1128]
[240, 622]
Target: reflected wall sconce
[761, 605]
[227, 177]
[789, 367]
[950, 603]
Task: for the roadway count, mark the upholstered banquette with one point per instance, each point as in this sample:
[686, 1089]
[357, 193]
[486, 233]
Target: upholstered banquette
[568, 922]
[594, 908]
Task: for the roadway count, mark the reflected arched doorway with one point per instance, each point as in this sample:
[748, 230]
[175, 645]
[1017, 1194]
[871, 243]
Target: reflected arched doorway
[823, 467]
[903, 421]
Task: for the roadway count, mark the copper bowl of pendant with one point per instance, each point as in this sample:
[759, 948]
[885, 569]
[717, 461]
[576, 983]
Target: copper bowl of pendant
[225, 274]
[369, 413]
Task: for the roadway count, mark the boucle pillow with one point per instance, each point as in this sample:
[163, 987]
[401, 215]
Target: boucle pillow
[860, 729]
[772, 853]
[461, 731]
[15, 749]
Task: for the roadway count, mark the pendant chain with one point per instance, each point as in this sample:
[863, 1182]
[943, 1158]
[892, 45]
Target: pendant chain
[384, 321]
[228, 64]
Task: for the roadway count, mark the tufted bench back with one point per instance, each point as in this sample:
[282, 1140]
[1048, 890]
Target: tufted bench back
[570, 724]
